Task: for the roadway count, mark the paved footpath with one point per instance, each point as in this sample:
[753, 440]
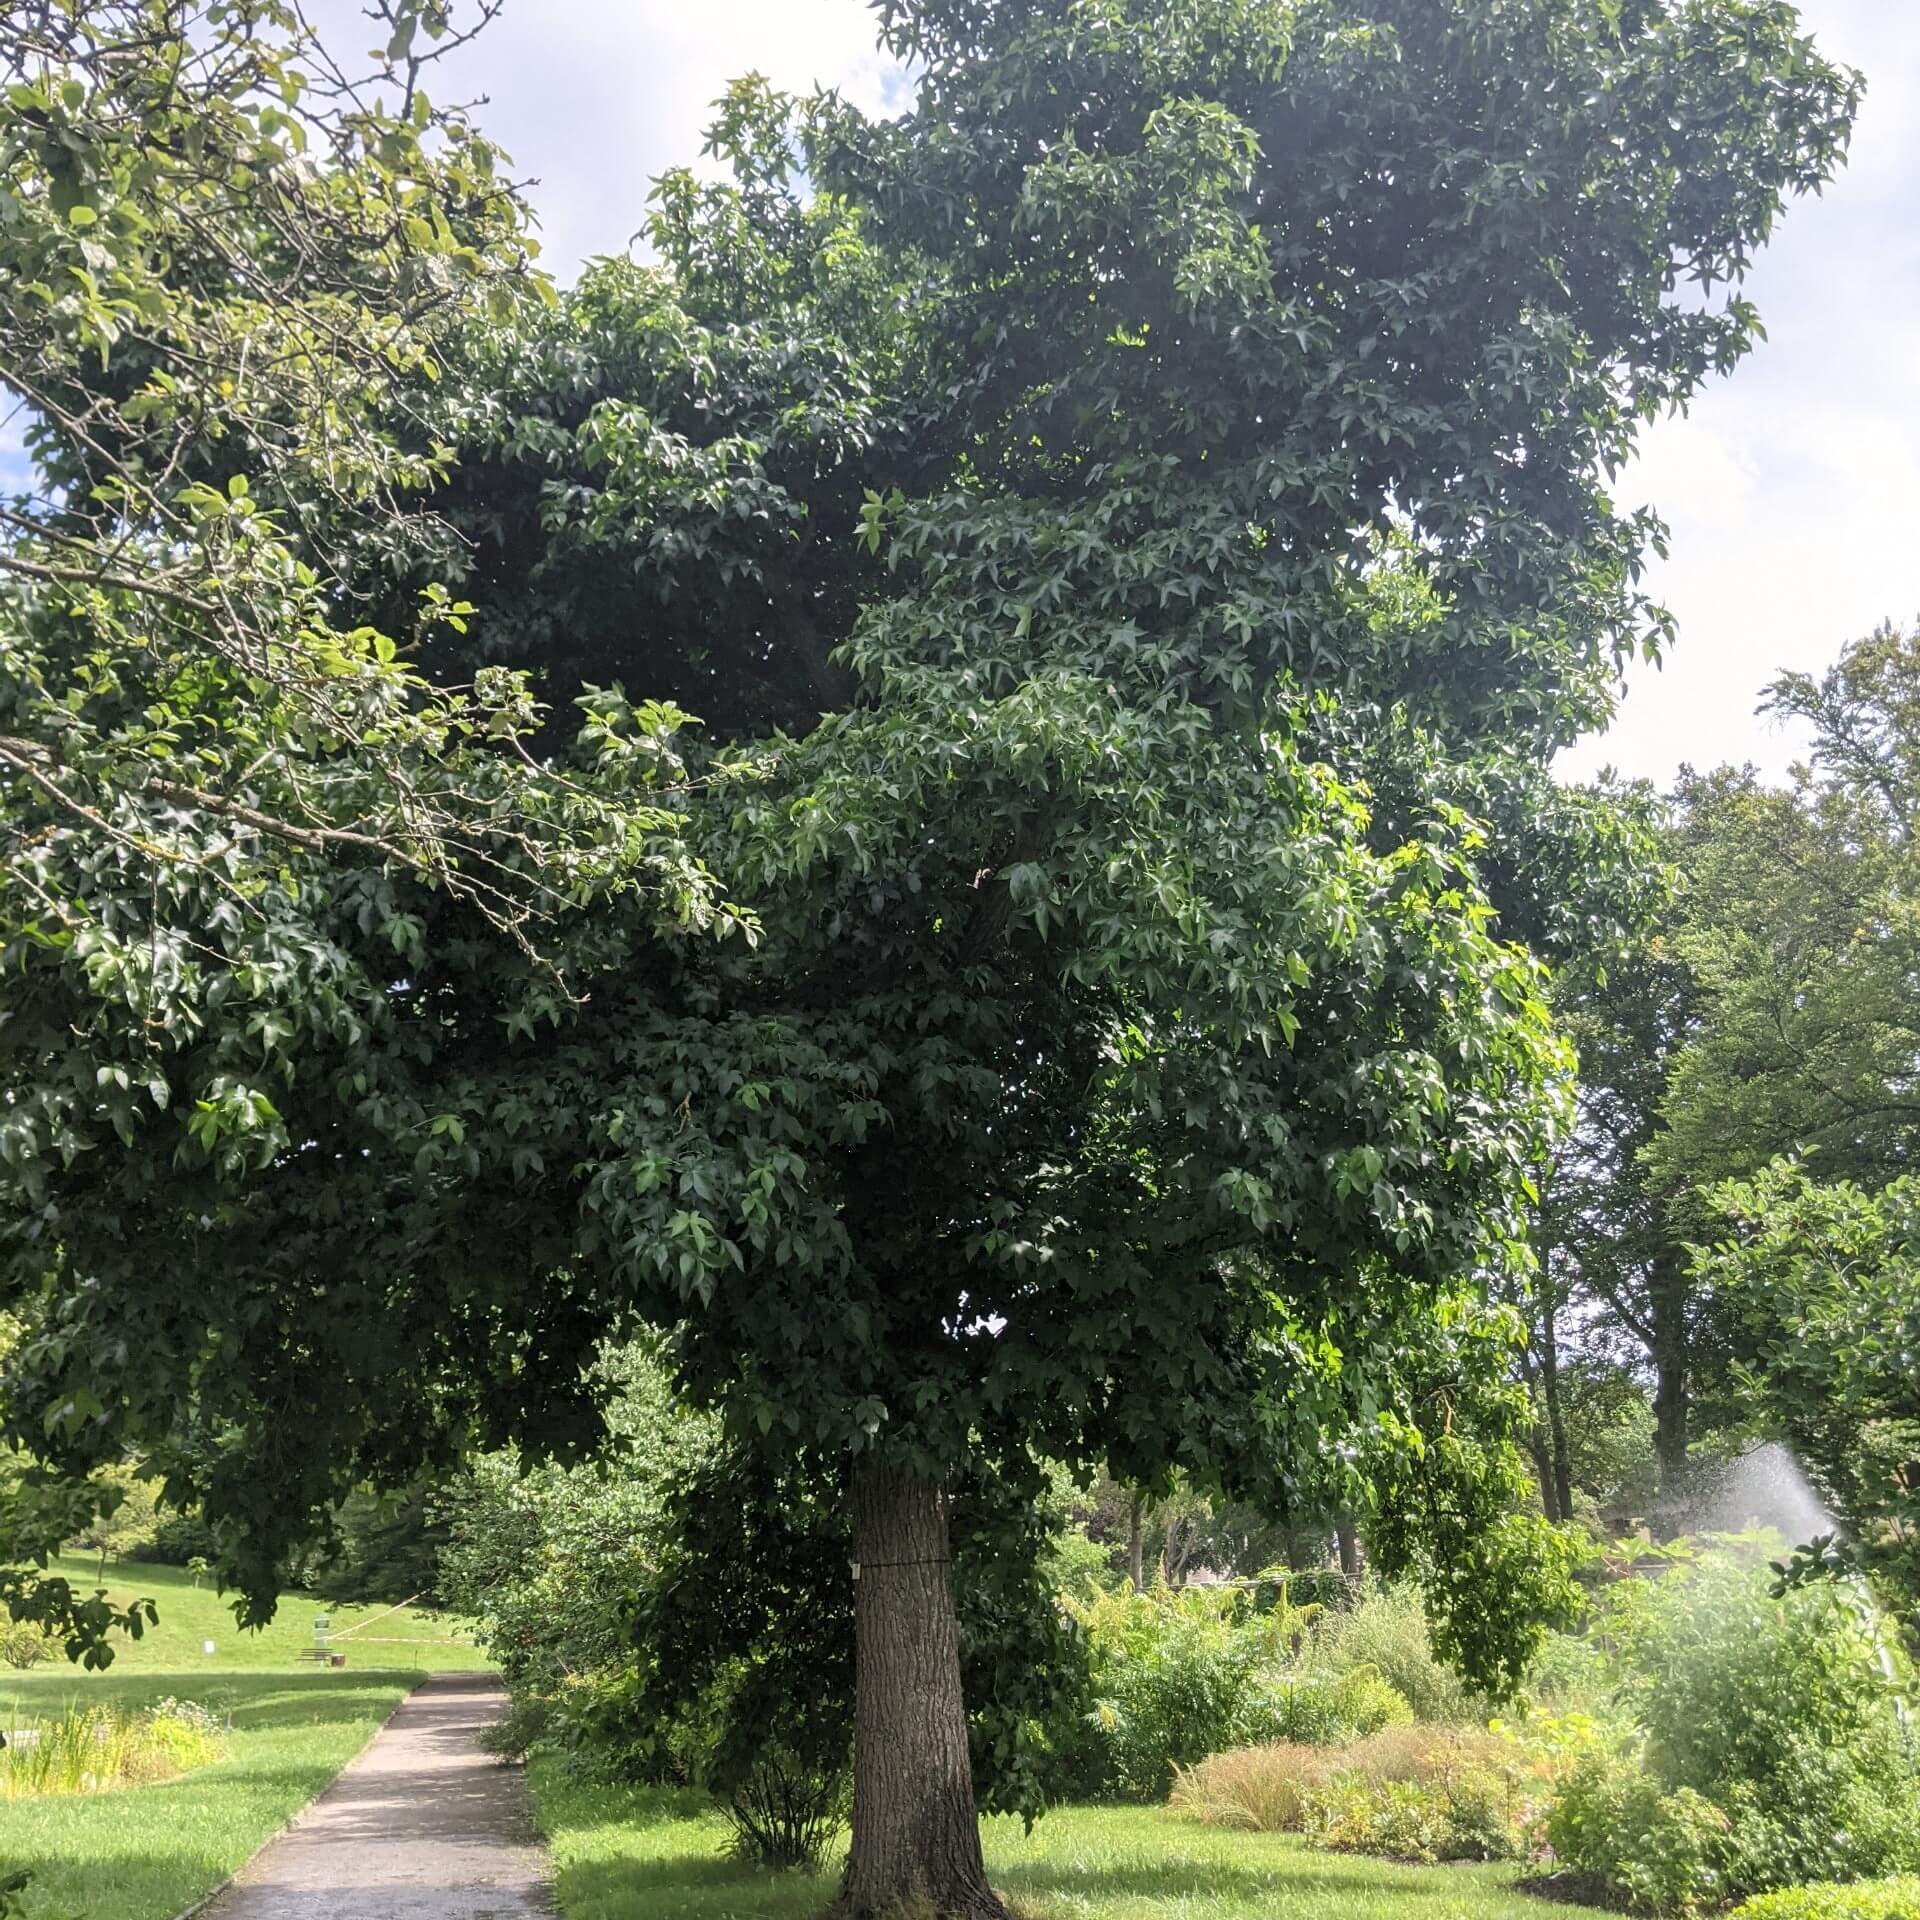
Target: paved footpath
[423, 1826]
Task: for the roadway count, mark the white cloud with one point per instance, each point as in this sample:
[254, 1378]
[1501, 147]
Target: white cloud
[1793, 487]
[595, 99]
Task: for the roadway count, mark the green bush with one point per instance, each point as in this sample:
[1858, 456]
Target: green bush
[1182, 1673]
[1386, 1633]
[544, 1562]
[25, 1643]
[1423, 1794]
[1656, 1849]
[98, 1749]
[784, 1811]
[1770, 1743]
[1318, 1708]
[1897, 1899]
[1398, 1819]
[177, 1538]
[1175, 1682]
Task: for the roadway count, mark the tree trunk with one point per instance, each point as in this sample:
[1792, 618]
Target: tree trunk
[1175, 1551]
[1538, 1444]
[1136, 1544]
[1559, 1453]
[1349, 1545]
[1543, 1471]
[916, 1834]
[1670, 1386]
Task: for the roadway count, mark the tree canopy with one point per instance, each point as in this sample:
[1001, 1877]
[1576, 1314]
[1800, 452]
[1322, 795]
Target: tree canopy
[1118, 529]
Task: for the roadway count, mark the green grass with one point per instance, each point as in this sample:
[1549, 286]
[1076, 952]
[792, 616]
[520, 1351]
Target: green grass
[636, 1854]
[413, 1640]
[146, 1852]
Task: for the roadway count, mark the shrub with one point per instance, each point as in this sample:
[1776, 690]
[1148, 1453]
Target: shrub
[1179, 1674]
[177, 1540]
[1568, 1673]
[1399, 1819]
[783, 1811]
[1324, 1709]
[1416, 1794]
[25, 1643]
[1386, 1633]
[1783, 1714]
[1657, 1849]
[1896, 1899]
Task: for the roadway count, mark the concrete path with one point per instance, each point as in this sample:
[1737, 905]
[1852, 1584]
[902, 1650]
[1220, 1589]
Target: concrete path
[423, 1826]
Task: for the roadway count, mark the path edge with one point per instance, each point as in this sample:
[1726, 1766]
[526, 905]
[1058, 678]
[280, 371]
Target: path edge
[194, 1908]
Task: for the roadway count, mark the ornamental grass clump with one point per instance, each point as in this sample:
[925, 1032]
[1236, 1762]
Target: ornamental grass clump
[100, 1749]
[1407, 1792]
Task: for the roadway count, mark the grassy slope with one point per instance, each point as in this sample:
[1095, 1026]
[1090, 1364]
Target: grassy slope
[189, 1616]
[145, 1853]
[622, 1854]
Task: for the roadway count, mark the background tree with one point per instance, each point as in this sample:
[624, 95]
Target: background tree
[1806, 936]
[1612, 1234]
[1826, 1277]
[1136, 1065]
[1771, 1011]
[1803, 931]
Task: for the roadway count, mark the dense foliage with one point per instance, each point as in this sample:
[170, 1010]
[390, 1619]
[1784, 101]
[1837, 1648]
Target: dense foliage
[230, 279]
[1176, 1675]
[1771, 1742]
[1894, 1899]
[1825, 1279]
[1767, 1015]
[1130, 535]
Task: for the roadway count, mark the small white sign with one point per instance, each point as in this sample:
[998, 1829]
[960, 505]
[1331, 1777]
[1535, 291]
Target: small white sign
[206, 1646]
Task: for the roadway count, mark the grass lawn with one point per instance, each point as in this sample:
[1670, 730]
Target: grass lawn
[190, 1616]
[638, 1854]
[144, 1853]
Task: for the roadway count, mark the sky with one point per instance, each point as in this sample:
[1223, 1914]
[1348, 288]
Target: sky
[1791, 488]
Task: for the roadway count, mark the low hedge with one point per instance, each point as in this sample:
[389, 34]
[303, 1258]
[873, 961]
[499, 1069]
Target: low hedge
[1897, 1899]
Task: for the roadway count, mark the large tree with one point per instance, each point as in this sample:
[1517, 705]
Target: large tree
[232, 270]
[1111, 530]
[1799, 1090]
[1611, 1233]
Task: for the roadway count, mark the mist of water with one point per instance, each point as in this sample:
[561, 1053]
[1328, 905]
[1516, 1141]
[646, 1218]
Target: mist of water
[1764, 1487]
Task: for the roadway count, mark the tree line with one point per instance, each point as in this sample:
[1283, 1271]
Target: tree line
[1732, 1214]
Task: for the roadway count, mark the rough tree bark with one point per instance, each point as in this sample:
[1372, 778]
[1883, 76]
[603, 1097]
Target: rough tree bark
[1559, 1452]
[1136, 1546]
[916, 1832]
[1671, 1395]
[1348, 1543]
